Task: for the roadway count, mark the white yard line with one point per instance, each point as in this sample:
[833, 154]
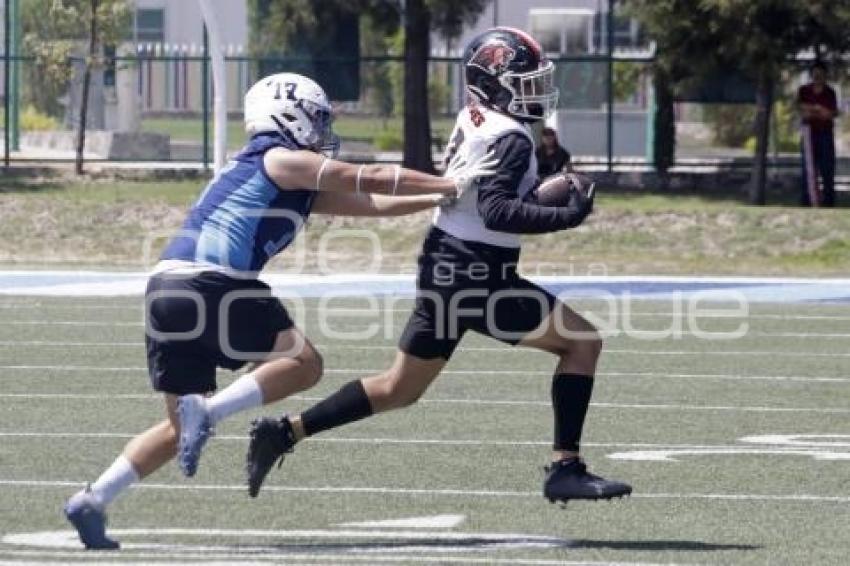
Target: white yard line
[401, 441]
[432, 492]
[472, 372]
[294, 558]
[513, 351]
[80, 323]
[377, 312]
[479, 402]
[615, 332]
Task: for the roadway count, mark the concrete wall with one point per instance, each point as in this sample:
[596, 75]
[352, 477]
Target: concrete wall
[584, 132]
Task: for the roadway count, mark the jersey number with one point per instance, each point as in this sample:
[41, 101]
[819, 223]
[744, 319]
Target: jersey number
[476, 116]
[290, 91]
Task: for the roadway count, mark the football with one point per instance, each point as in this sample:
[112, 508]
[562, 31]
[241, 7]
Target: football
[555, 191]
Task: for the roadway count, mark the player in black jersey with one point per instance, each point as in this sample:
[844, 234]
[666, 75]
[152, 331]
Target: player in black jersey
[468, 277]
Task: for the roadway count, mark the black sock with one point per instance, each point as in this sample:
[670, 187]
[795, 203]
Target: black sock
[347, 405]
[570, 399]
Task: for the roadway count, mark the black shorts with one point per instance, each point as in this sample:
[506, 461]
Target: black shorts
[196, 323]
[464, 286]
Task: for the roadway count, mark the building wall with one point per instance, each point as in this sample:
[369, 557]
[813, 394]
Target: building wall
[184, 22]
[515, 13]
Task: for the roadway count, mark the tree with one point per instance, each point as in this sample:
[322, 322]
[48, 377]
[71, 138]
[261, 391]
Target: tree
[285, 22]
[54, 30]
[664, 125]
[422, 16]
[755, 37]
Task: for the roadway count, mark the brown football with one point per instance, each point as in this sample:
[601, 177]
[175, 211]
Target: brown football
[555, 190]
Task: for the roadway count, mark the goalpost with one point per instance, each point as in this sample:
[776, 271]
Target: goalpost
[219, 71]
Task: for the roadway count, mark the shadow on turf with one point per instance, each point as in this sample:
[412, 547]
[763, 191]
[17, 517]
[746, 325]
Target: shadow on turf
[475, 543]
[657, 545]
[468, 543]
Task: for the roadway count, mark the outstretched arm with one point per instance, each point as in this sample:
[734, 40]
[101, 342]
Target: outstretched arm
[346, 204]
[307, 170]
[502, 209]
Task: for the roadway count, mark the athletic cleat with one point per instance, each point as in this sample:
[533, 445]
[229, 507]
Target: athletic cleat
[270, 440]
[195, 430]
[569, 479]
[87, 516]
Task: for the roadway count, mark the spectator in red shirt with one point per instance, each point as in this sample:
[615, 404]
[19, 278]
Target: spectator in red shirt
[818, 108]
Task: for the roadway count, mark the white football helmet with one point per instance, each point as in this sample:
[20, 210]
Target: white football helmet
[292, 103]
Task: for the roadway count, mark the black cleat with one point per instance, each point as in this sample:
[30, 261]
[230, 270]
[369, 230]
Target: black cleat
[270, 440]
[569, 479]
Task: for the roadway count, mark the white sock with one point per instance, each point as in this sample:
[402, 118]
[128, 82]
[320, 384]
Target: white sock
[117, 477]
[241, 395]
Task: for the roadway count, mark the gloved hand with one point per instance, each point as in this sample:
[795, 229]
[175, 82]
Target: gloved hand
[581, 194]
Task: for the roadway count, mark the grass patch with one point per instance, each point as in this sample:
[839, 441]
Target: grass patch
[50, 221]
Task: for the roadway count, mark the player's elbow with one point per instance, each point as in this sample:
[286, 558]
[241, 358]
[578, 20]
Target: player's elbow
[495, 217]
[494, 222]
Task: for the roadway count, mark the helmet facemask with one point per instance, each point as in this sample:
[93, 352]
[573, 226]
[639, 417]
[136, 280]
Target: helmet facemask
[321, 138]
[534, 96]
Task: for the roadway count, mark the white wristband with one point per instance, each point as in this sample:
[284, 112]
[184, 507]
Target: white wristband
[397, 175]
[320, 173]
[357, 184]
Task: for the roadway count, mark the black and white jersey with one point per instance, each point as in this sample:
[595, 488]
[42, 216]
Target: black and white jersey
[499, 208]
[478, 130]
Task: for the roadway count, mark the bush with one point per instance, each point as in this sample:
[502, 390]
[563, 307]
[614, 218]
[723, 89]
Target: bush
[784, 130]
[786, 145]
[387, 140]
[33, 120]
[732, 123]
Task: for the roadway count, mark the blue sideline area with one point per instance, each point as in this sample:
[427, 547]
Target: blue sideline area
[754, 289]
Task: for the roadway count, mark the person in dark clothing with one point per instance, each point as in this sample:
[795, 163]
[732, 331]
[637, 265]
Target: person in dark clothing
[818, 108]
[551, 156]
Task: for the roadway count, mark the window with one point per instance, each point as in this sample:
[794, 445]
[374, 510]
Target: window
[150, 25]
[627, 32]
[562, 31]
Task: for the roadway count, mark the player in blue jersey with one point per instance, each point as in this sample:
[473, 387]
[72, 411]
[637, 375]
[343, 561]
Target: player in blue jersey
[205, 307]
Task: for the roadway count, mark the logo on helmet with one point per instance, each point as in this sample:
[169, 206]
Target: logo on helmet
[493, 57]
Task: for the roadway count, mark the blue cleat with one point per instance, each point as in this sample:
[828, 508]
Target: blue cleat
[87, 516]
[195, 430]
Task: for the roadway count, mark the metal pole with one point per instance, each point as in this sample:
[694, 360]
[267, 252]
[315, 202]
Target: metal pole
[7, 37]
[610, 116]
[219, 79]
[205, 97]
[495, 13]
[15, 122]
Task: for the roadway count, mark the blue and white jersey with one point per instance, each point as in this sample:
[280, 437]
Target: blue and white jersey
[242, 219]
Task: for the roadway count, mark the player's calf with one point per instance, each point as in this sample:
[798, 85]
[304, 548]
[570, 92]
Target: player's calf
[388, 391]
